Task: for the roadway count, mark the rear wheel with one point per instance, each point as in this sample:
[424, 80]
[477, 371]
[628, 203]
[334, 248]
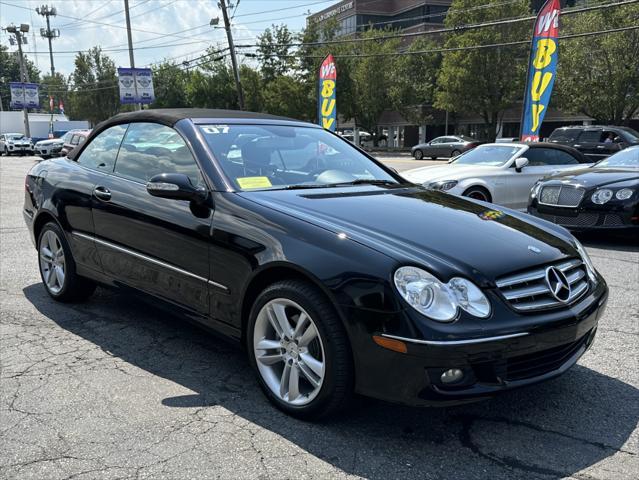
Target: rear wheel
[418, 154]
[57, 267]
[478, 193]
[298, 347]
[455, 153]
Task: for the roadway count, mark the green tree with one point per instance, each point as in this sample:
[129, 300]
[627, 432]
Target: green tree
[599, 76]
[414, 82]
[56, 87]
[95, 96]
[286, 96]
[10, 72]
[487, 81]
[169, 85]
[253, 87]
[212, 86]
[275, 51]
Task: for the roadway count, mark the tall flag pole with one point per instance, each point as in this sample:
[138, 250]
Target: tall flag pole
[326, 103]
[542, 70]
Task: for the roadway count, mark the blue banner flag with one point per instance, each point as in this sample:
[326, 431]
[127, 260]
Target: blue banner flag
[542, 70]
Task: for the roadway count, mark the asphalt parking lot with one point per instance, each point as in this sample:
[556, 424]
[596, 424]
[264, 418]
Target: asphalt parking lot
[114, 388]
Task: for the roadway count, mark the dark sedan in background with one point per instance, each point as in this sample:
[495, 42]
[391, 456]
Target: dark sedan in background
[337, 275]
[596, 141]
[447, 147]
[604, 196]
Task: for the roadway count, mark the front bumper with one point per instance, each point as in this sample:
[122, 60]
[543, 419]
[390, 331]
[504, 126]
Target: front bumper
[589, 218]
[508, 361]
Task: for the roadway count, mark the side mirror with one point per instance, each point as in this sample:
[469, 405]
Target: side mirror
[520, 163]
[175, 186]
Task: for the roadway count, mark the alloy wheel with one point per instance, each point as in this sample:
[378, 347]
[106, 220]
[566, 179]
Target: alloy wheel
[289, 351]
[52, 262]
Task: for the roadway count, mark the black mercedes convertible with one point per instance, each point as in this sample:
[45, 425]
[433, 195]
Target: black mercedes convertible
[335, 274]
[603, 196]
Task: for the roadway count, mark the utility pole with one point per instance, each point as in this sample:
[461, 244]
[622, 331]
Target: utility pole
[131, 59]
[229, 36]
[47, 12]
[19, 32]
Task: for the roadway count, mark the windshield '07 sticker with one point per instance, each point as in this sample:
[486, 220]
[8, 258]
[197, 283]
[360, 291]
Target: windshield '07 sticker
[215, 129]
[253, 182]
[491, 215]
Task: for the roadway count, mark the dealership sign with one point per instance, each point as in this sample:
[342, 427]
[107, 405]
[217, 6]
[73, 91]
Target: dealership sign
[327, 110]
[24, 95]
[542, 70]
[136, 85]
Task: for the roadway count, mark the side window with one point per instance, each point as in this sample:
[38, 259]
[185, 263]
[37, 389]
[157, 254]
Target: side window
[590, 136]
[149, 149]
[437, 140]
[74, 140]
[537, 157]
[101, 152]
[564, 158]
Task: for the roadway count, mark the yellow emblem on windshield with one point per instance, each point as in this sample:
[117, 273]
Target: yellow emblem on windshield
[253, 182]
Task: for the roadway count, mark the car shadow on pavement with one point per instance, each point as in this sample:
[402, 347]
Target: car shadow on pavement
[623, 241]
[550, 430]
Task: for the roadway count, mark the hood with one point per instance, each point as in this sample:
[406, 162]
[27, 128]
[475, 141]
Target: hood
[429, 228]
[595, 177]
[19, 140]
[447, 172]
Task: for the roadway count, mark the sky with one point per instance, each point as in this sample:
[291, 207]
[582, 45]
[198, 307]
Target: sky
[87, 23]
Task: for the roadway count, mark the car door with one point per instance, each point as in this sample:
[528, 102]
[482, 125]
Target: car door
[76, 187]
[157, 245]
[591, 144]
[540, 162]
[434, 148]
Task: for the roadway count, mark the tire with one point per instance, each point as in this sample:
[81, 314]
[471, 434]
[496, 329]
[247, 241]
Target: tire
[418, 154]
[454, 153]
[321, 343]
[478, 193]
[68, 287]
[433, 158]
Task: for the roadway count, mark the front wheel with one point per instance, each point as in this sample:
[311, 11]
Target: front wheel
[478, 193]
[418, 154]
[57, 267]
[298, 346]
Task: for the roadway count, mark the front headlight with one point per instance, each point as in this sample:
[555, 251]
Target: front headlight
[601, 196]
[590, 268]
[437, 300]
[443, 185]
[624, 194]
[535, 189]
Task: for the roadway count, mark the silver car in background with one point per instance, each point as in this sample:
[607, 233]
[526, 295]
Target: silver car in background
[446, 147]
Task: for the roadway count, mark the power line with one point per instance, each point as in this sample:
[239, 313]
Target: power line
[458, 49]
[282, 9]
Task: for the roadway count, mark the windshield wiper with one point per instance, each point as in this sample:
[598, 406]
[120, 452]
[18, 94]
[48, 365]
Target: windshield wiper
[368, 181]
[304, 186]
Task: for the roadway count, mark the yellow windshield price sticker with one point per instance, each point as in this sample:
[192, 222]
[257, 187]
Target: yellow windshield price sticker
[254, 182]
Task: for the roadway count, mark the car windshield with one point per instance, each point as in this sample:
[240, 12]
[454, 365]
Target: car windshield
[628, 158]
[260, 157]
[633, 134]
[487, 155]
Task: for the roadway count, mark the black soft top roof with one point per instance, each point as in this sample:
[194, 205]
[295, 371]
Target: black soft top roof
[170, 116]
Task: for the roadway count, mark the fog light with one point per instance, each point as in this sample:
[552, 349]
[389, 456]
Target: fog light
[451, 376]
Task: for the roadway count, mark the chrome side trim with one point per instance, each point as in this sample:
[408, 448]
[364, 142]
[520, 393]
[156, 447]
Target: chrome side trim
[149, 259]
[452, 343]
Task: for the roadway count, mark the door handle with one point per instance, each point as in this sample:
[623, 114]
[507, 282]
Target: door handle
[102, 193]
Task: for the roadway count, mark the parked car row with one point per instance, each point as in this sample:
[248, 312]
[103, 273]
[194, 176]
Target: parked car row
[548, 180]
[19, 144]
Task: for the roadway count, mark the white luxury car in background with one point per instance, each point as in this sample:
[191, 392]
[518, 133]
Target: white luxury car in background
[501, 173]
[49, 148]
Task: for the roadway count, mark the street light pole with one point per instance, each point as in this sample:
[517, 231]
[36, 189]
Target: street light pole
[131, 59]
[236, 71]
[24, 28]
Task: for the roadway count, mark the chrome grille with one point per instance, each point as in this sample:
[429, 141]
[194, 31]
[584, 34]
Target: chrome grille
[581, 220]
[528, 291]
[613, 220]
[561, 195]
